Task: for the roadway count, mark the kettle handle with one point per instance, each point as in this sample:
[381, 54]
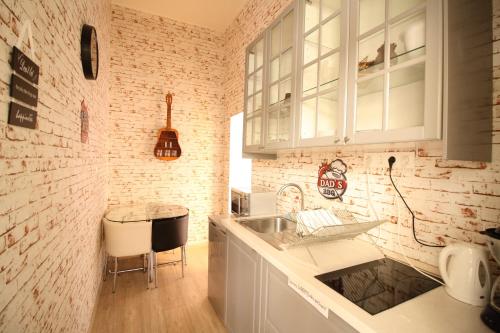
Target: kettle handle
[492, 251]
[487, 283]
[447, 252]
[493, 288]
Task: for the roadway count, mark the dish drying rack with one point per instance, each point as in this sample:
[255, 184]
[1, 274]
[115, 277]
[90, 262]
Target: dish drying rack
[322, 225]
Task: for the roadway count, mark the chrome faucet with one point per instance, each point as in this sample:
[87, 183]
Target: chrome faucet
[298, 188]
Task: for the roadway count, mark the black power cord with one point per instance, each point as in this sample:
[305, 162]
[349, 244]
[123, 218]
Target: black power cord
[391, 161]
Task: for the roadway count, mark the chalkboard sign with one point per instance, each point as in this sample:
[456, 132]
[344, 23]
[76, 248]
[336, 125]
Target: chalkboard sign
[23, 91]
[21, 116]
[24, 66]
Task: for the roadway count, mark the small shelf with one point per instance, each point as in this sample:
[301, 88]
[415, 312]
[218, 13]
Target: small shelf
[321, 85]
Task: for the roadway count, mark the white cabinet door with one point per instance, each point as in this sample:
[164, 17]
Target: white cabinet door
[243, 287]
[329, 72]
[254, 80]
[321, 102]
[279, 301]
[395, 67]
[280, 81]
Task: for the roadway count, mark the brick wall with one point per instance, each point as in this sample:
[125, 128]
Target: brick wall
[53, 188]
[150, 56]
[452, 200]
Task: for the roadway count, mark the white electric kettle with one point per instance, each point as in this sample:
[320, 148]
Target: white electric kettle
[464, 269]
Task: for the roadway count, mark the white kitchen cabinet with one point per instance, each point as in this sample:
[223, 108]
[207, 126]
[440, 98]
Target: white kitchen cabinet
[395, 67]
[285, 311]
[254, 114]
[260, 300]
[270, 87]
[280, 81]
[321, 85]
[243, 287]
[343, 72]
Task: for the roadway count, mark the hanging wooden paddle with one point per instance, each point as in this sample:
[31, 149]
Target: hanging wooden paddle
[167, 148]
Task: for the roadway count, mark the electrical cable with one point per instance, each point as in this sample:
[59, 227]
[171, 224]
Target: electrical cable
[406, 257]
[391, 161]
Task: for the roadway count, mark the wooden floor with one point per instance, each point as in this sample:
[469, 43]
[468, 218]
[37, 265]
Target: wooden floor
[177, 305]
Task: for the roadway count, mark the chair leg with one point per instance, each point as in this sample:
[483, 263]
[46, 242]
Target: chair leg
[105, 266]
[146, 269]
[114, 278]
[183, 257]
[151, 266]
[144, 263]
[156, 270]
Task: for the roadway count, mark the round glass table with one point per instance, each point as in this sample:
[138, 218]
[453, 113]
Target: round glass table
[144, 212]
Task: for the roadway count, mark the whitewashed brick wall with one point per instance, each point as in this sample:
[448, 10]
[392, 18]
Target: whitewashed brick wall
[452, 200]
[53, 189]
[150, 56]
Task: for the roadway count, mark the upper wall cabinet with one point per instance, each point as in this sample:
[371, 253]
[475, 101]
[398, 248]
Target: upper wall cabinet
[330, 72]
[254, 115]
[395, 70]
[322, 73]
[280, 81]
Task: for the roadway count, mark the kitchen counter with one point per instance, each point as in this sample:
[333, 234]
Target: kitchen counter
[433, 311]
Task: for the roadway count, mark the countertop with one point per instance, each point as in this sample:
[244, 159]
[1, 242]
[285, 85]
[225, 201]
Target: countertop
[433, 311]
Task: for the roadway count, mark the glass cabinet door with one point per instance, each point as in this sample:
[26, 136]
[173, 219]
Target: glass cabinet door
[323, 62]
[396, 63]
[280, 81]
[254, 94]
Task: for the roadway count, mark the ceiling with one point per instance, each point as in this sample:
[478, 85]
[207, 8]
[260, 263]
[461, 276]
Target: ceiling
[212, 14]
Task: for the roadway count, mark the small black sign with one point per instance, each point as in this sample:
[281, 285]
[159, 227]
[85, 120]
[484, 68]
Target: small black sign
[23, 91]
[24, 66]
[21, 116]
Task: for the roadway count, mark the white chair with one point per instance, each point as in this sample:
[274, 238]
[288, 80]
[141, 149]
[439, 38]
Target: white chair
[127, 239]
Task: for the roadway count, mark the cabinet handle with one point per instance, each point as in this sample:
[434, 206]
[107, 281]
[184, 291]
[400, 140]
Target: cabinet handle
[337, 140]
[346, 139]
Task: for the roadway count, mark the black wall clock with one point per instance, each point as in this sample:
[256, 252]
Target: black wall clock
[89, 52]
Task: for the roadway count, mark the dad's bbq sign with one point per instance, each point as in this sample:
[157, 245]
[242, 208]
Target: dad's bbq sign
[332, 182]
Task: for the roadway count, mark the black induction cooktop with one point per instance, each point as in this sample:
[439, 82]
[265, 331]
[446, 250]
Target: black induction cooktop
[378, 285]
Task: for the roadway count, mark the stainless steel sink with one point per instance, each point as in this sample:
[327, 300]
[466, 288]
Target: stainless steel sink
[274, 230]
[269, 225]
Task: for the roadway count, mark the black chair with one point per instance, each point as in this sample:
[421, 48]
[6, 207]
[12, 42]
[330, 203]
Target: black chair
[169, 234]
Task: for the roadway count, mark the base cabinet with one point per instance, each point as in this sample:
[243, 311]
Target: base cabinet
[283, 310]
[260, 300]
[243, 287]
